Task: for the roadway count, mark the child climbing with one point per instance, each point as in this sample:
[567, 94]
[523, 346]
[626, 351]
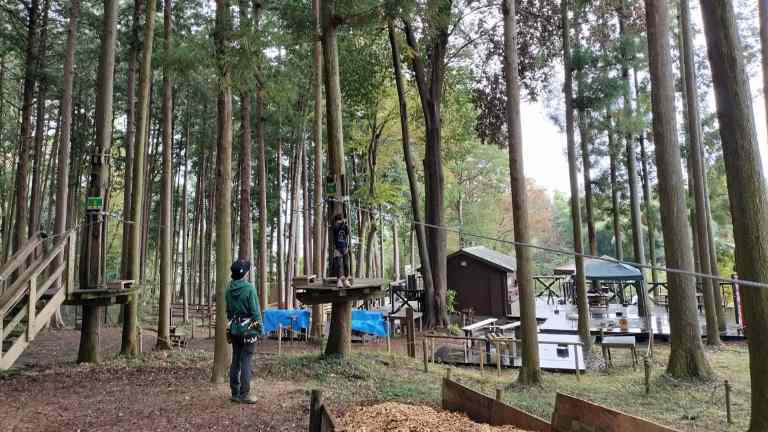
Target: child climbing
[341, 252]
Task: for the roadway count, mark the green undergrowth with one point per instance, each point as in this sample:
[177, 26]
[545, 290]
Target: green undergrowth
[361, 378]
[366, 378]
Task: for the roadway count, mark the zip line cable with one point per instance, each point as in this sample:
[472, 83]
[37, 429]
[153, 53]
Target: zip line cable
[742, 282]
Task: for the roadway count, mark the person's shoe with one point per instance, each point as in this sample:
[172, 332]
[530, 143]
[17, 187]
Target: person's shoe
[234, 399]
[347, 283]
[248, 400]
[340, 282]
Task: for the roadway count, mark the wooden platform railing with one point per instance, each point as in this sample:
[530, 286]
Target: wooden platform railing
[30, 301]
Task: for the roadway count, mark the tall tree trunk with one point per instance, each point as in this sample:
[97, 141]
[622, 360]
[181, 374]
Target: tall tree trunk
[699, 176]
[223, 189]
[763, 7]
[363, 222]
[280, 228]
[130, 337]
[245, 248]
[41, 131]
[130, 132]
[194, 275]
[395, 251]
[7, 191]
[48, 194]
[647, 197]
[529, 371]
[317, 136]
[22, 172]
[613, 153]
[166, 196]
[184, 232]
[209, 256]
[581, 281]
[746, 189]
[264, 251]
[92, 264]
[293, 235]
[686, 359]
[410, 168]
[430, 94]
[634, 193]
[306, 219]
[720, 306]
[62, 169]
[339, 337]
[585, 130]
[370, 249]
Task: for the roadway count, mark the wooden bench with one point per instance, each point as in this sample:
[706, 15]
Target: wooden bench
[179, 338]
[620, 342]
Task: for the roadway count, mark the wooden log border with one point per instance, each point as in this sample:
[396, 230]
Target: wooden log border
[320, 417]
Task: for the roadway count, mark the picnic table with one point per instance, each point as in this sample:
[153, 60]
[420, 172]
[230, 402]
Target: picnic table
[470, 329]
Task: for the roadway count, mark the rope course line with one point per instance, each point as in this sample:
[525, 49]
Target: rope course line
[740, 282]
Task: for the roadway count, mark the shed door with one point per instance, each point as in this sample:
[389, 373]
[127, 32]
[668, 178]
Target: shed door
[496, 288]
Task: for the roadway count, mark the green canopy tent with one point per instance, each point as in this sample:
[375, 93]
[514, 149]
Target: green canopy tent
[607, 269]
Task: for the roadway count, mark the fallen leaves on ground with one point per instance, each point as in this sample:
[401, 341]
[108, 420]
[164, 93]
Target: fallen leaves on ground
[397, 417]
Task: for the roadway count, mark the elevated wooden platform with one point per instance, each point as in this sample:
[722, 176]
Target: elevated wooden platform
[325, 291]
[114, 292]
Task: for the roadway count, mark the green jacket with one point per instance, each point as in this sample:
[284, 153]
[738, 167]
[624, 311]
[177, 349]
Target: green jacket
[242, 301]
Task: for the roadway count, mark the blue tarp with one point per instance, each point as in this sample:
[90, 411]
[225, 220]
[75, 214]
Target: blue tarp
[362, 320]
[298, 318]
[369, 322]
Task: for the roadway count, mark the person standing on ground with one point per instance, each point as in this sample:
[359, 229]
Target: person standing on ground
[341, 251]
[243, 330]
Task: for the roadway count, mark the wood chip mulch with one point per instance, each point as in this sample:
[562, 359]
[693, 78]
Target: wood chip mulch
[396, 417]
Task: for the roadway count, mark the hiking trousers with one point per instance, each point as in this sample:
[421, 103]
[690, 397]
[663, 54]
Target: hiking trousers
[240, 370]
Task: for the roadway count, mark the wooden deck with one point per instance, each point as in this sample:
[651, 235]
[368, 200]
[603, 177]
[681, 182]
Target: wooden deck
[562, 319]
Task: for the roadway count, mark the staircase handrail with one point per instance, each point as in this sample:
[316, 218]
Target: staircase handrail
[20, 286]
[18, 258]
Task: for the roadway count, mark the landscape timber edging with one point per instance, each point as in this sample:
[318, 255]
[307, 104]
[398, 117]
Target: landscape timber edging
[485, 409]
[576, 415]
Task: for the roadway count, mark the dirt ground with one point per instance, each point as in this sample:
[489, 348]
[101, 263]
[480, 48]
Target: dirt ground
[48, 392]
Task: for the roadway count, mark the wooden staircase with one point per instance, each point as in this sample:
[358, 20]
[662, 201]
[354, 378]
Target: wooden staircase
[34, 282]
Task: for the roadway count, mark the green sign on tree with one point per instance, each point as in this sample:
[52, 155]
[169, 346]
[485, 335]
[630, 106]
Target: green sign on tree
[330, 188]
[94, 203]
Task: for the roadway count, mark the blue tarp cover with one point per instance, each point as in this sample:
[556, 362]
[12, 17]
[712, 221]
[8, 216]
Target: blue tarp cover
[362, 320]
[369, 322]
[274, 317]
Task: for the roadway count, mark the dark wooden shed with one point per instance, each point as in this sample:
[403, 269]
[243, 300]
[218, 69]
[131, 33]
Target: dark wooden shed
[484, 280]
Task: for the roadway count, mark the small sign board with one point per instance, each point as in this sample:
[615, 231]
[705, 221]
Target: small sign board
[330, 187]
[94, 203]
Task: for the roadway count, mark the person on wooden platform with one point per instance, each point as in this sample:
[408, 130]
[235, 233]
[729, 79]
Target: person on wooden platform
[341, 251]
[243, 330]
